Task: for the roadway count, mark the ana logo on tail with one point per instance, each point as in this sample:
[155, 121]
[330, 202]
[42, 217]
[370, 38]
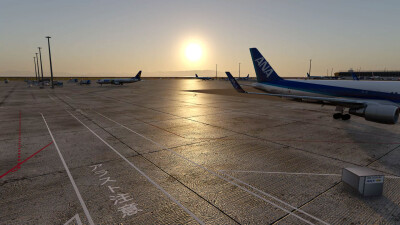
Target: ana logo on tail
[264, 66]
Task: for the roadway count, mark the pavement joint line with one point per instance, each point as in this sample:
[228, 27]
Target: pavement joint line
[8, 94]
[51, 98]
[294, 209]
[142, 173]
[266, 115]
[251, 138]
[281, 144]
[85, 209]
[322, 193]
[285, 173]
[105, 161]
[142, 154]
[335, 128]
[62, 171]
[251, 113]
[387, 153]
[215, 173]
[309, 201]
[299, 149]
[19, 164]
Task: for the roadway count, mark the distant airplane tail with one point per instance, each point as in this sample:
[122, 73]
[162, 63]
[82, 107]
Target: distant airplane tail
[354, 76]
[248, 75]
[234, 83]
[264, 71]
[308, 75]
[196, 75]
[138, 75]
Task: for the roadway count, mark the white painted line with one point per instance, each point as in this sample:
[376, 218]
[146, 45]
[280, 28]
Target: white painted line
[141, 172]
[70, 176]
[51, 98]
[285, 173]
[392, 177]
[76, 217]
[68, 97]
[264, 193]
[216, 174]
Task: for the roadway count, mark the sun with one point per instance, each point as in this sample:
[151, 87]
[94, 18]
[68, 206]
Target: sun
[193, 52]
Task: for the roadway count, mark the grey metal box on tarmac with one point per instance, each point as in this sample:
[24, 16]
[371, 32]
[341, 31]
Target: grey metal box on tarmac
[366, 181]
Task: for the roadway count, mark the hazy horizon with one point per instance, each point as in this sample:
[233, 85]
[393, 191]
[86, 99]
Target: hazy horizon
[104, 37]
[185, 73]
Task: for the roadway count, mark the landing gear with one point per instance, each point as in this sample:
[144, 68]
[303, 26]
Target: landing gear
[346, 117]
[341, 116]
[337, 116]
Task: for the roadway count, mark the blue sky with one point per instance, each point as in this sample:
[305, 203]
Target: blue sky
[121, 37]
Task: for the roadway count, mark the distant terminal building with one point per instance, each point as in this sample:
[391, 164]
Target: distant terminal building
[370, 75]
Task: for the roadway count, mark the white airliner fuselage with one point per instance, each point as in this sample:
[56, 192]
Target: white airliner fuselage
[377, 101]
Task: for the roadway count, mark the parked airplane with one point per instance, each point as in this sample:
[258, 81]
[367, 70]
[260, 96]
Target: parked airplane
[87, 82]
[376, 101]
[321, 77]
[244, 78]
[121, 81]
[203, 78]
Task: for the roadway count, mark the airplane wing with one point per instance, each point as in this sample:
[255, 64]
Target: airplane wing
[332, 100]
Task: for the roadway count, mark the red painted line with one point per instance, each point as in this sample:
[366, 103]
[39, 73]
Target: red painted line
[19, 164]
[20, 137]
[19, 140]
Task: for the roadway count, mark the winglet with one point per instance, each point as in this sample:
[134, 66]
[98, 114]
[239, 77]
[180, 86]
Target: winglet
[234, 83]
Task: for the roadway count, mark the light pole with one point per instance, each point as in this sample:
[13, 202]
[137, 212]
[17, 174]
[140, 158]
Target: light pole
[37, 63]
[34, 61]
[239, 70]
[51, 67]
[41, 65]
[216, 70]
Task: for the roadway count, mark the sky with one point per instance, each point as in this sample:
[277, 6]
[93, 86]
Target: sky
[106, 38]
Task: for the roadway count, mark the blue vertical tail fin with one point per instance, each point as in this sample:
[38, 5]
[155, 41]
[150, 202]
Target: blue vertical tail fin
[308, 75]
[354, 76]
[264, 71]
[196, 75]
[138, 75]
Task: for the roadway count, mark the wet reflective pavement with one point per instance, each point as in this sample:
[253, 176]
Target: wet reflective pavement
[182, 151]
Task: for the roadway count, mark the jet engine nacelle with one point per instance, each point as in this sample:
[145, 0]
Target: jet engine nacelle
[378, 113]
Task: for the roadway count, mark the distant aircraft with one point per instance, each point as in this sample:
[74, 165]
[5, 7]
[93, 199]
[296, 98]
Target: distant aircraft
[321, 77]
[58, 83]
[87, 82]
[121, 81]
[244, 78]
[203, 78]
[376, 101]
